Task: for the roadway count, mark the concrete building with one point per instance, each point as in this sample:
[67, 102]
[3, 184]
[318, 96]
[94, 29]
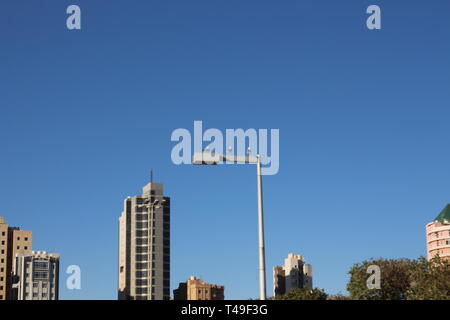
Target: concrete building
[196, 289]
[295, 274]
[13, 241]
[37, 276]
[438, 235]
[144, 246]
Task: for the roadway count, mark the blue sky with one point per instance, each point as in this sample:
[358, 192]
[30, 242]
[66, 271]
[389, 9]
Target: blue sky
[363, 118]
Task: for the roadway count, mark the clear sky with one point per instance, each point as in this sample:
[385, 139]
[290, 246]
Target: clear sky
[363, 118]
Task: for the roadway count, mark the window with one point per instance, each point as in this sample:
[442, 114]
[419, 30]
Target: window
[26, 239]
[41, 265]
[18, 238]
[142, 258]
[26, 248]
[141, 282]
[141, 265]
[141, 291]
[141, 241]
[121, 269]
[141, 249]
[141, 225]
[40, 275]
[141, 217]
[141, 233]
[141, 274]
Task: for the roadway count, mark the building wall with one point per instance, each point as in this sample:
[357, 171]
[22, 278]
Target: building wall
[438, 240]
[196, 289]
[38, 275]
[294, 274]
[12, 241]
[3, 257]
[144, 246]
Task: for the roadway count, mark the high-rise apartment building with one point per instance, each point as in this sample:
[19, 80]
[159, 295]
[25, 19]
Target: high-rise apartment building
[438, 235]
[196, 289]
[37, 276]
[144, 246]
[295, 274]
[13, 241]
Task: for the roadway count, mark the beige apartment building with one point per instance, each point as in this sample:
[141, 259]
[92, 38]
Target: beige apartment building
[295, 274]
[196, 289]
[144, 246]
[438, 235]
[38, 276]
[13, 241]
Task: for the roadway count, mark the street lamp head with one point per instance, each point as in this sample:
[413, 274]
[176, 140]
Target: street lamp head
[206, 158]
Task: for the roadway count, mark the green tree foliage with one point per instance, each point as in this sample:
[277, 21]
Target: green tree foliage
[338, 296]
[402, 279]
[303, 294]
[394, 280]
[430, 280]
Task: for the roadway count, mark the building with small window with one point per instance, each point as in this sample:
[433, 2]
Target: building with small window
[438, 235]
[196, 289]
[36, 276]
[144, 246]
[295, 274]
[13, 241]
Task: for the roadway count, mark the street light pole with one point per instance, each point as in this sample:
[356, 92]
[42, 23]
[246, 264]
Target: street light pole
[262, 254]
[205, 158]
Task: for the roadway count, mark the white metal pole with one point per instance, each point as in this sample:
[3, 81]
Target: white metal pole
[262, 259]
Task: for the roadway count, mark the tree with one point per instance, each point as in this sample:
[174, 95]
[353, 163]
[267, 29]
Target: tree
[430, 280]
[395, 280]
[402, 279]
[338, 296]
[304, 294]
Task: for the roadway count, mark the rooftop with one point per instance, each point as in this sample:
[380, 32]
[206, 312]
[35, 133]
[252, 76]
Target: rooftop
[444, 216]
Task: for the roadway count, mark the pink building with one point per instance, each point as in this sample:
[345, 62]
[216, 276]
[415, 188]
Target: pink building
[438, 235]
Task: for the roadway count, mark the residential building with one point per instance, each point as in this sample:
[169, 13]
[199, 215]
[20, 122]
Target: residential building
[37, 276]
[438, 235]
[295, 274]
[144, 246]
[13, 241]
[196, 289]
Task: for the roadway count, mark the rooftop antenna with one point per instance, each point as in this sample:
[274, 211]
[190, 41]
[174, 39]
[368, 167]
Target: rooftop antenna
[151, 176]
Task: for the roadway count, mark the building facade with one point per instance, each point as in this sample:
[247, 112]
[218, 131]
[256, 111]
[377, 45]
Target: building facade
[13, 241]
[295, 274]
[438, 235]
[37, 276]
[144, 246]
[196, 289]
